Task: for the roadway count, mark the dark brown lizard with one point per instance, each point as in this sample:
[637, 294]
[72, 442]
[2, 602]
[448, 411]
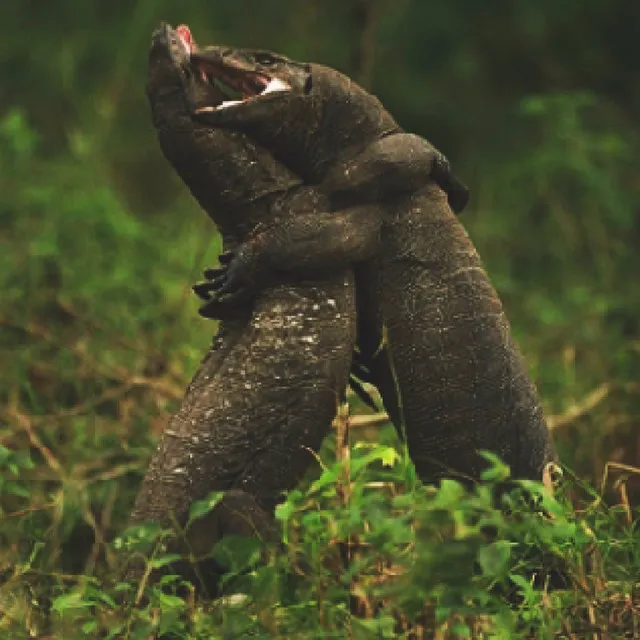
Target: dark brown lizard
[431, 327]
[265, 395]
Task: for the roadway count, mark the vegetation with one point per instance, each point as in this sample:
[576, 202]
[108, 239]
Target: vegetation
[536, 105]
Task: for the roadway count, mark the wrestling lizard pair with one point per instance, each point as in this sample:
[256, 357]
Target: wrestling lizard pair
[334, 220]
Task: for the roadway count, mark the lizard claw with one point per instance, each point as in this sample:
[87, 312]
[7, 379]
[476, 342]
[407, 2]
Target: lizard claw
[213, 287]
[203, 290]
[211, 273]
[226, 257]
[229, 285]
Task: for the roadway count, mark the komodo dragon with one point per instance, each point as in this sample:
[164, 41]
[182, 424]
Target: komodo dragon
[431, 327]
[269, 387]
[266, 393]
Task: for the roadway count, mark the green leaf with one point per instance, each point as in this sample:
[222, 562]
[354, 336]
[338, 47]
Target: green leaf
[498, 471]
[526, 588]
[493, 558]
[23, 460]
[382, 626]
[89, 627]
[116, 632]
[460, 630]
[163, 561]
[167, 601]
[34, 553]
[201, 508]
[442, 613]
[4, 454]
[171, 580]
[389, 456]
[16, 489]
[329, 477]
[237, 553]
[138, 537]
[15, 129]
[284, 511]
[73, 600]
[449, 494]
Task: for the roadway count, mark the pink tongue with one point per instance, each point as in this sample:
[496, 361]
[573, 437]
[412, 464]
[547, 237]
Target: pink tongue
[185, 33]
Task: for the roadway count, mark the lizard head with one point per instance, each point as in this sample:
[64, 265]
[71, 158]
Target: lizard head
[224, 169]
[170, 72]
[305, 114]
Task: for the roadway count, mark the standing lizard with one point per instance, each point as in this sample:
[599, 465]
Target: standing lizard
[265, 395]
[432, 329]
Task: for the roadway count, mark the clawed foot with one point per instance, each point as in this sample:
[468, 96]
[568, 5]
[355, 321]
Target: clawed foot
[228, 286]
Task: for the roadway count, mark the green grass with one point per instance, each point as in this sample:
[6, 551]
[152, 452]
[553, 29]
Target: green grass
[99, 336]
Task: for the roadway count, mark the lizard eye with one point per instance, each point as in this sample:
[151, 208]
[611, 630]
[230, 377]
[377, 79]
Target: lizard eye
[265, 58]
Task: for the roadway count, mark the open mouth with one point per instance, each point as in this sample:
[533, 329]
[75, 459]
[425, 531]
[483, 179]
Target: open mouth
[236, 85]
[228, 86]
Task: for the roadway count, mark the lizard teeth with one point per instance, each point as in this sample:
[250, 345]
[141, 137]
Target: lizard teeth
[223, 105]
[275, 84]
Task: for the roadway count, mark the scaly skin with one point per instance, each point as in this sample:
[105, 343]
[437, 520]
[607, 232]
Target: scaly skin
[448, 370]
[266, 393]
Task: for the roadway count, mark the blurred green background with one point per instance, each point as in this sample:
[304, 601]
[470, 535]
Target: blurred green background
[536, 105]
